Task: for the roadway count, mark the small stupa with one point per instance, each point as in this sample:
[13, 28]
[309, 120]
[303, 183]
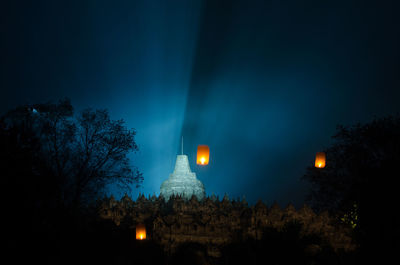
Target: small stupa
[182, 181]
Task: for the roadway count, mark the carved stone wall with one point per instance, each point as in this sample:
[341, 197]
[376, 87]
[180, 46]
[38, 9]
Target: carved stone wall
[215, 222]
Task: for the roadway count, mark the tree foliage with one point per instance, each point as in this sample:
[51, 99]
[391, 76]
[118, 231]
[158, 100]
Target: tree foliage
[359, 182]
[74, 157]
[362, 162]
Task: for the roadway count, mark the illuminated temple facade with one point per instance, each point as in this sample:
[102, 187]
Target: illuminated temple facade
[182, 181]
[216, 223]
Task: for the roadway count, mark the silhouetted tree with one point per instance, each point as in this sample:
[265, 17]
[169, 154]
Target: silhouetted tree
[78, 155]
[359, 182]
[52, 162]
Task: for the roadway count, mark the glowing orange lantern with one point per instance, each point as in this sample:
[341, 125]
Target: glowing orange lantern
[140, 232]
[203, 155]
[320, 160]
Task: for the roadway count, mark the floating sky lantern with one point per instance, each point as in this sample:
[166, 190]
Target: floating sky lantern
[140, 232]
[320, 160]
[203, 155]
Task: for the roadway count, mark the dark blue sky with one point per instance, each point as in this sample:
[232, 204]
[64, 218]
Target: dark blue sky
[263, 83]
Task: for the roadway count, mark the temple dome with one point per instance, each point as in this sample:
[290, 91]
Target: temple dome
[182, 181]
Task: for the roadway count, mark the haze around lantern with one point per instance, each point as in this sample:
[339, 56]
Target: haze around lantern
[262, 83]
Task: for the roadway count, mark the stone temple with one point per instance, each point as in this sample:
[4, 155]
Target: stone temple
[182, 181]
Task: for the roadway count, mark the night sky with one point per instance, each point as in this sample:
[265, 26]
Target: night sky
[263, 83]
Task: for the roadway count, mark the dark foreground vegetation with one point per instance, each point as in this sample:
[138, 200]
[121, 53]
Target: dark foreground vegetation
[55, 164]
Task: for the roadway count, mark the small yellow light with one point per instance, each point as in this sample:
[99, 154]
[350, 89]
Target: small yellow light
[140, 232]
[203, 155]
[320, 160]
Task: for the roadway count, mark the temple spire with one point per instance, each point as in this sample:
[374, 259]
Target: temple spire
[182, 181]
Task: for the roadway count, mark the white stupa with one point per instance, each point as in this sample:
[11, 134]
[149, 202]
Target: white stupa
[182, 181]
